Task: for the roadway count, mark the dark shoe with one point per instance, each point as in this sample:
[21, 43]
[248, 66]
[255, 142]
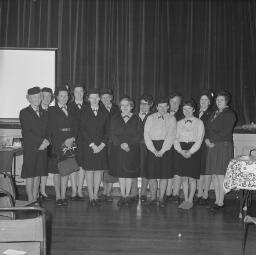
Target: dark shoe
[73, 198]
[79, 198]
[121, 201]
[92, 203]
[152, 202]
[59, 202]
[109, 199]
[176, 199]
[168, 198]
[43, 197]
[162, 203]
[143, 198]
[217, 207]
[97, 202]
[64, 202]
[204, 201]
[210, 205]
[196, 199]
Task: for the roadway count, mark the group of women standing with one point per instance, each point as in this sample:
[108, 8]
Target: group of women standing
[174, 143]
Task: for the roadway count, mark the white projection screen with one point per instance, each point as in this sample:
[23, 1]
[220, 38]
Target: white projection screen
[21, 69]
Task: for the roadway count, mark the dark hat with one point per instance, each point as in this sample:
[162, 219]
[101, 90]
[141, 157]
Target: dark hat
[148, 98]
[62, 88]
[93, 91]
[34, 90]
[106, 91]
[46, 89]
[162, 100]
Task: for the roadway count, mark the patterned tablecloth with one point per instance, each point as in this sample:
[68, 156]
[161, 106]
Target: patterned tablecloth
[241, 174]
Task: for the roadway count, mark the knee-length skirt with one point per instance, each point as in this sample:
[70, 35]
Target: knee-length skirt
[218, 158]
[187, 167]
[159, 167]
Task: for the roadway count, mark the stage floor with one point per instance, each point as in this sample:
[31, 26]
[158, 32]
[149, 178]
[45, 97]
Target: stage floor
[135, 229]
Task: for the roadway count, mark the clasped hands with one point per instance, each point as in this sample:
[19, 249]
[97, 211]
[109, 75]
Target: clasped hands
[44, 145]
[209, 144]
[97, 149]
[186, 153]
[125, 147]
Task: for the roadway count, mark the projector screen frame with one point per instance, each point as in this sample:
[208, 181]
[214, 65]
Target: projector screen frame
[14, 123]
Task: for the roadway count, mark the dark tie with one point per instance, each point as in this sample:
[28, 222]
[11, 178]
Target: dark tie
[188, 121]
[216, 114]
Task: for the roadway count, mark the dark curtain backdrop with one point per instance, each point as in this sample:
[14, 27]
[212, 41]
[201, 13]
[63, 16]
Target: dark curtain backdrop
[137, 46]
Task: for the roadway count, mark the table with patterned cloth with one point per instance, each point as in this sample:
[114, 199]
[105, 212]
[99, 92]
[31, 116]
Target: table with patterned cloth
[241, 175]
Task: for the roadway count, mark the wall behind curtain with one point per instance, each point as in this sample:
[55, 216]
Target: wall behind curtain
[137, 46]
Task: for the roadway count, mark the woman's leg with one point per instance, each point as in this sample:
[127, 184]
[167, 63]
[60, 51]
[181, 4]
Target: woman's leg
[216, 188]
[220, 202]
[63, 186]
[169, 187]
[73, 179]
[144, 186]
[122, 186]
[29, 189]
[185, 187]
[36, 184]
[109, 188]
[43, 185]
[96, 183]
[192, 185]
[200, 185]
[153, 188]
[162, 188]
[176, 184]
[56, 182]
[207, 181]
[89, 182]
[128, 185]
[80, 181]
[134, 187]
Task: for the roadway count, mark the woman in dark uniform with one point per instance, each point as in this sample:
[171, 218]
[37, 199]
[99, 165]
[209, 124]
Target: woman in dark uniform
[173, 187]
[62, 132]
[145, 107]
[93, 140]
[125, 137]
[35, 142]
[75, 108]
[203, 184]
[47, 98]
[219, 142]
[106, 97]
[159, 135]
[190, 134]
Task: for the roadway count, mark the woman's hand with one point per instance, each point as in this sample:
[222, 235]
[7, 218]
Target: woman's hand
[125, 147]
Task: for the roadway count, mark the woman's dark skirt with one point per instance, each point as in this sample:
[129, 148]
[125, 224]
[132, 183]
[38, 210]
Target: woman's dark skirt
[218, 158]
[188, 167]
[159, 167]
[203, 158]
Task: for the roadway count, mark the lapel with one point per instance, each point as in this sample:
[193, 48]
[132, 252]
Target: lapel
[33, 113]
[60, 112]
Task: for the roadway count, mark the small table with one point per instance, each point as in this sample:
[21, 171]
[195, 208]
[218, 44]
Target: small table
[8, 159]
[241, 175]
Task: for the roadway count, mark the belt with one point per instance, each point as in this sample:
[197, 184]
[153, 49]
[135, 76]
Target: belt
[65, 129]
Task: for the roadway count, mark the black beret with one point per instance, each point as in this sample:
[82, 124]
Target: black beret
[162, 100]
[62, 88]
[46, 89]
[93, 91]
[34, 90]
[106, 91]
[148, 98]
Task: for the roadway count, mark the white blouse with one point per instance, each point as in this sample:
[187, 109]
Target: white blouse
[159, 127]
[191, 130]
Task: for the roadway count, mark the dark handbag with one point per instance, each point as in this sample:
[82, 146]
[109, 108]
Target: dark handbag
[67, 161]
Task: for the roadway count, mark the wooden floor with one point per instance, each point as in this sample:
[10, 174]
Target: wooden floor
[81, 230]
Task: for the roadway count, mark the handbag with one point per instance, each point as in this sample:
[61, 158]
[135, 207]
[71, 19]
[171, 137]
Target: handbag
[67, 163]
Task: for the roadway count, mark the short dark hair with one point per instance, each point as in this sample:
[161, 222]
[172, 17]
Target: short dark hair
[224, 94]
[189, 102]
[208, 94]
[129, 99]
[175, 94]
[162, 100]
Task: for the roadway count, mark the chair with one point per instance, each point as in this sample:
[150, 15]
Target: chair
[28, 235]
[247, 221]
